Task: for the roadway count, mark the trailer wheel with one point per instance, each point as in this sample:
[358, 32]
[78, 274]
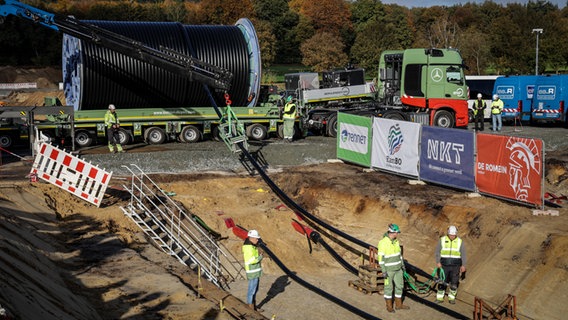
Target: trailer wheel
[470, 116]
[155, 135]
[83, 139]
[124, 137]
[190, 134]
[444, 119]
[6, 141]
[331, 127]
[257, 132]
[394, 115]
[280, 131]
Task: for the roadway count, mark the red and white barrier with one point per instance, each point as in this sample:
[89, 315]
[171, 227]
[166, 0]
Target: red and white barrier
[71, 173]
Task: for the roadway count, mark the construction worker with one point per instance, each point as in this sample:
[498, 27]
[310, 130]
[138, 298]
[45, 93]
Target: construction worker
[253, 266]
[496, 110]
[112, 125]
[450, 256]
[289, 117]
[478, 112]
[392, 266]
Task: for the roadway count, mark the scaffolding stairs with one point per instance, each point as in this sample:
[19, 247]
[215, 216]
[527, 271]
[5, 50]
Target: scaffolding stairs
[177, 233]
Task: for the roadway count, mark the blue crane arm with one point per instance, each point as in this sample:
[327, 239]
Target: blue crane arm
[165, 58]
[16, 8]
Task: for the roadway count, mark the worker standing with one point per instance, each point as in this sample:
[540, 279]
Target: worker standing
[496, 110]
[390, 260]
[450, 256]
[253, 267]
[112, 124]
[289, 117]
[478, 112]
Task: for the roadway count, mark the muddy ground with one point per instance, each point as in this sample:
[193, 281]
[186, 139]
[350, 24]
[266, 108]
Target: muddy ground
[63, 258]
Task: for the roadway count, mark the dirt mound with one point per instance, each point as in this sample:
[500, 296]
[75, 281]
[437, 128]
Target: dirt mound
[46, 78]
[33, 98]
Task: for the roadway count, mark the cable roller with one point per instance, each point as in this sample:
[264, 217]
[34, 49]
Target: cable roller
[94, 77]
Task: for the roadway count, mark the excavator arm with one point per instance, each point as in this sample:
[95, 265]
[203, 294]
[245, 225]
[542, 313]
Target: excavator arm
[165, 58]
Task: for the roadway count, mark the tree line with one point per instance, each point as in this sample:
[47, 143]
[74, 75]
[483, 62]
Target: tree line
[328, 34]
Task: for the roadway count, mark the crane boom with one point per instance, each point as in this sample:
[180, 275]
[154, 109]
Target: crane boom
[165, 58]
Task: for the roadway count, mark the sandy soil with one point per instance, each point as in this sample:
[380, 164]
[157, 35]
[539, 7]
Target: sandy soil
[62, 258]
[67, 258]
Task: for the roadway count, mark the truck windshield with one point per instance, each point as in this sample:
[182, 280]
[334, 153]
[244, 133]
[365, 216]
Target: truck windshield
[453, 74]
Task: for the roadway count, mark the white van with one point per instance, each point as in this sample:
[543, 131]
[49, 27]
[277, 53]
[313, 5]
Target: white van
[483, 85]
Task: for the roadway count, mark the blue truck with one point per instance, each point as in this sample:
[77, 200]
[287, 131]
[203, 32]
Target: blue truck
[550, 99]
[517, 93]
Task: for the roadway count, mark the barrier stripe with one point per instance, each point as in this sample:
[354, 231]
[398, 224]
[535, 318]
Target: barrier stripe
[546, 111]
[71, 173]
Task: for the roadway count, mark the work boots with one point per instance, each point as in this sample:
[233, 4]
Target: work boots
[399, 305]
[389, 305]
[253, 307]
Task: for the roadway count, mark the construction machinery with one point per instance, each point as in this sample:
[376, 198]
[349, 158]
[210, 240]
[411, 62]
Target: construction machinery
[420, 85]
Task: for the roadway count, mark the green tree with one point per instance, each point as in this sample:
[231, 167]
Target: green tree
[267, 42]
[474, 49]
[225, 12]
[323, 51]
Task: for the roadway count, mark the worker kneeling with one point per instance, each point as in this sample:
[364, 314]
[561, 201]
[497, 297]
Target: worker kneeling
[392, 266]
[450, 257]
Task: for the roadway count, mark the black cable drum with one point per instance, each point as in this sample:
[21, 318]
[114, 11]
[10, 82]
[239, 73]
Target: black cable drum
[95, 76]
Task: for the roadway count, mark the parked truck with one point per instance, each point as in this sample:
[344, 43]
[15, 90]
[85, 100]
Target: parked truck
[152, 124]
[551, 95]
[420, 85]
[517, 93]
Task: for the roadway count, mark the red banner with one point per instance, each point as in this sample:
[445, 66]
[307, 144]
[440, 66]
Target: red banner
[510, 167]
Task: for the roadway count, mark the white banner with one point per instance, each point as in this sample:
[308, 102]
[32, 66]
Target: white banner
[354, 137]
[395, 146]
[15, 86]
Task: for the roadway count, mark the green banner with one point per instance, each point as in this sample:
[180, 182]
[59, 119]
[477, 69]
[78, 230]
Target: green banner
[354, 138]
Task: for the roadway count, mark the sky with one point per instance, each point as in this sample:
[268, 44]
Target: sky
[449, 3]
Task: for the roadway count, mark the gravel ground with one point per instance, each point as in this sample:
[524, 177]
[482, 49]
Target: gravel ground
[216, 156]
[212, 155]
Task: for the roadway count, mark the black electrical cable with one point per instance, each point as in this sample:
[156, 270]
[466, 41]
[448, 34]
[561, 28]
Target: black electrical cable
[105, 76]
[313, 288]
[318, 239]
[284, 197]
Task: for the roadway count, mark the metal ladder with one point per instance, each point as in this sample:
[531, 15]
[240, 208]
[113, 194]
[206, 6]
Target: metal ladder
[177, 233]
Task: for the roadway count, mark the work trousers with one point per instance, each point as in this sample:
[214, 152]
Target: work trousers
[478, 120]
[452, 273]
[496, 121]
[289, 128]
[252, 289]
[396, 279]
[113, 140]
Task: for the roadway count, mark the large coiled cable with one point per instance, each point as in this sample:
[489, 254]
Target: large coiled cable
[95, 76]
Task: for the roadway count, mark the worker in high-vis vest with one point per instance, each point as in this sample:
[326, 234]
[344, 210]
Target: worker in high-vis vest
[253, 267]
[496, 109]
[450, 256]
[478, 112]
[289, 117]
[389, 256]
[113, 125]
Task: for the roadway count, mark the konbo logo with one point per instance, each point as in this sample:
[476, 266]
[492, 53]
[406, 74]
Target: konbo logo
[395, 139]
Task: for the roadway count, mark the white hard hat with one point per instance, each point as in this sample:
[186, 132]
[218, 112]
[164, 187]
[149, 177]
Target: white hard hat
[111, 107]
[452, 231]
[253, 234]
[479, 95]
[495, 96]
